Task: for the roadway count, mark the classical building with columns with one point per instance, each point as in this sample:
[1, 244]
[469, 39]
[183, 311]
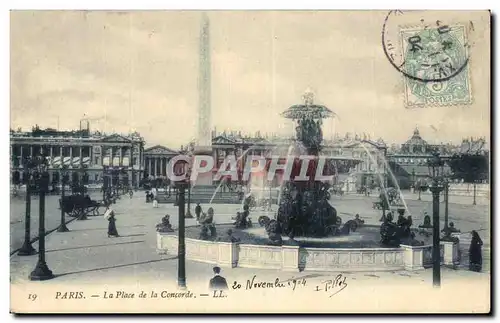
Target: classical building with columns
[156, 159]
[86, 154]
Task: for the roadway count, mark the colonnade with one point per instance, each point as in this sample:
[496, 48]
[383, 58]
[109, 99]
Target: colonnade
[156, 166]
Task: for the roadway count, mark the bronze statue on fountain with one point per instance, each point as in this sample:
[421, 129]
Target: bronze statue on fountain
[242, 220]
[304, 209]
[394, 234]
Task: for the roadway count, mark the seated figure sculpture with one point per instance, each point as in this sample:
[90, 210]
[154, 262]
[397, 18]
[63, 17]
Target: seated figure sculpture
[242, 221]
[401, 220]
[396, 234]
[207, 218]
[348, 227]
[447, 233]
[452, 229]
[427, 222]
[165, 225]
[274, 232]
[263, 220]
[207, 225]
[389, 232]
[358, 220]
[406, 235]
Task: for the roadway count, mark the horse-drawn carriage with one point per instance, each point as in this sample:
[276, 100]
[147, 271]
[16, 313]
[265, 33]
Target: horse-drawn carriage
[80, 206]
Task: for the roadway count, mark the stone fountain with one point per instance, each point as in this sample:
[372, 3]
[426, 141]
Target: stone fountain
[304, 208]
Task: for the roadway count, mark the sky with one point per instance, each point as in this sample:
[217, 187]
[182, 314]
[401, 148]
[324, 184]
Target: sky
[138, 71]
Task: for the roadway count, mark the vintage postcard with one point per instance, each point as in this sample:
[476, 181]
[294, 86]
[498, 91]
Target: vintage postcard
[250, 161]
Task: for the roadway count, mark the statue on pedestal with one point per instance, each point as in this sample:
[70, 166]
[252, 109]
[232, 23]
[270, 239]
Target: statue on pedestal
[394, 235]
[165, 225]
[274, 233]
[207, 225]
[242, 220]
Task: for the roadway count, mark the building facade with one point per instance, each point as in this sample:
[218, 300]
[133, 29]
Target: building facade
[408, 163]
[85, 154]
[358, 161]
[156, 159]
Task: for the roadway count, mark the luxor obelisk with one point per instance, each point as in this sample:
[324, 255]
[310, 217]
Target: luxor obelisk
[204, 140]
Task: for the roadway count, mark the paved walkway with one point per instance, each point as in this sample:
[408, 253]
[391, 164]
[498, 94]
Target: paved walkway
[85, 259]
[87, 255]
[52, 217]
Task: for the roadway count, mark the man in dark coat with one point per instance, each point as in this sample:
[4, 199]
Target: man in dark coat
[197, 211]
[218, 282]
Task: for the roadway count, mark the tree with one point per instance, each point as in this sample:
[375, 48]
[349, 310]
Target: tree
[421, 186]
[470, 167]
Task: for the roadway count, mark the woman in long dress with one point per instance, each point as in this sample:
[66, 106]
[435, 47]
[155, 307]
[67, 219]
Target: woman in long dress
[475, 257]
[112, 232]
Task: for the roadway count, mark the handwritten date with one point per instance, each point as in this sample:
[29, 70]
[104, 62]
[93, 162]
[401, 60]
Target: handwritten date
[276, 284]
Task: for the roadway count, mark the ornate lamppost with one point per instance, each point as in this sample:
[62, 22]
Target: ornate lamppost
[188, 213]
[189, 152]
[474, 197]
[181, 256]
[27, 249]
[446, 199]
[42, 271]
[436, 167]
[413, 179]
[64, 177]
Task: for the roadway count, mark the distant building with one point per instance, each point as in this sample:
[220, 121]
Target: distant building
[359, 161]
[156, 159]
[86, 154]
[408, 163]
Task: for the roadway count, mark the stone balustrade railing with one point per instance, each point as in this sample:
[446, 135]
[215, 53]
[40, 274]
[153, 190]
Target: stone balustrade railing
[294, 258]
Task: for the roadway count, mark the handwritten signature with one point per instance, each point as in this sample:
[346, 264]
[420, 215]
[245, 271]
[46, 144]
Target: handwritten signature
[333, 286]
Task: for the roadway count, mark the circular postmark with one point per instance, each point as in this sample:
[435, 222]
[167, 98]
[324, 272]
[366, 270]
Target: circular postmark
[432, 53]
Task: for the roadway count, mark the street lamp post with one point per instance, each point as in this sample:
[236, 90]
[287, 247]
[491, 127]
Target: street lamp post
[181, 274]
[413, 179]
[474, 198]
[62, 226]
[270, 197]
[436, 166]
[188, 212]
[42, 271]
[105, 183]
[446, 200]
[27, 249]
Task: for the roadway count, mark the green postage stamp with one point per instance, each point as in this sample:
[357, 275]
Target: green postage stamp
[435, 66]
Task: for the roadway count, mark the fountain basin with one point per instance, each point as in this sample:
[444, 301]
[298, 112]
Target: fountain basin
[256, 254]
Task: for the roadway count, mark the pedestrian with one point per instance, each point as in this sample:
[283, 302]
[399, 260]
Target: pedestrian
[197, 211]
[155, 202]
[218, 282]
[112, 232]
[475, 257]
